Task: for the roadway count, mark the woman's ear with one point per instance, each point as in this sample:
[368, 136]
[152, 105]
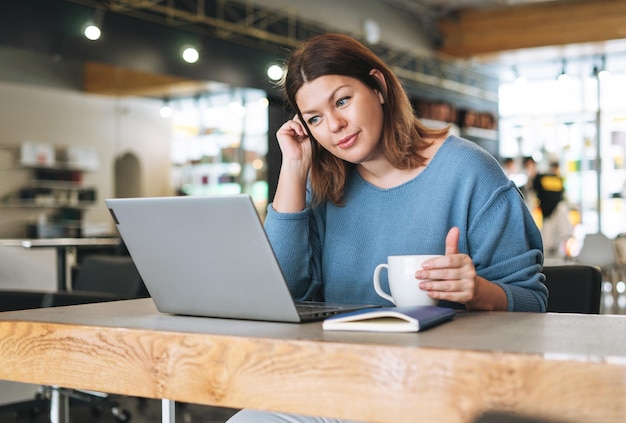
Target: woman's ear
[381, 82]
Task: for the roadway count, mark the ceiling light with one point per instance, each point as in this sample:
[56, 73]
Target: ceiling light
[604, 74]
[92, 32]
[275, 72]
[371, 29]
[190, 55]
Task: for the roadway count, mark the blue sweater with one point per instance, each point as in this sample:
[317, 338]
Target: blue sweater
[329, 253]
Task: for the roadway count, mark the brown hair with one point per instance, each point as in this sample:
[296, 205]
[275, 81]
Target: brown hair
[403, 135]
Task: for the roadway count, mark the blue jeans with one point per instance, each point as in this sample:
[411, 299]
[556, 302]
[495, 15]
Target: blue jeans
[256, 416]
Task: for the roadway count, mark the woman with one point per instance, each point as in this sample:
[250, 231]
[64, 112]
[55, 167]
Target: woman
[362, 179]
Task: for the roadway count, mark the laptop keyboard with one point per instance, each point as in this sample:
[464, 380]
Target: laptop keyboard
[312, 309]
[316, 309]
[311, 306]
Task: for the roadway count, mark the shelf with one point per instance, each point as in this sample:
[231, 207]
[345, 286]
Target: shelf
[60, 167]
[38, 155]
[47, 205]
[60, 185]
[486, 134]
[54, 230]
[53, 199]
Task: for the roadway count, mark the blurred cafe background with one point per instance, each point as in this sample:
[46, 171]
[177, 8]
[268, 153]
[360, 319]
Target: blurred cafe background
[126, 98]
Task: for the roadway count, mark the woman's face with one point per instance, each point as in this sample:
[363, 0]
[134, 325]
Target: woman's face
[344, 115]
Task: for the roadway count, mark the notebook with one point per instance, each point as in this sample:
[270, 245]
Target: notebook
[390, 319]
[210, 256]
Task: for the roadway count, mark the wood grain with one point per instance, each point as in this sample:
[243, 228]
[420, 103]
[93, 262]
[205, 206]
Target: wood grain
[377, 383]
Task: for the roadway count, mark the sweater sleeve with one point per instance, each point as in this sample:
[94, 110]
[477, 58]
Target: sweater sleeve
[497, 229]
[507, 250]
[296, 248]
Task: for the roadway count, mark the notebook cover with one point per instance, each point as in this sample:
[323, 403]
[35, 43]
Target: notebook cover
[390, 319]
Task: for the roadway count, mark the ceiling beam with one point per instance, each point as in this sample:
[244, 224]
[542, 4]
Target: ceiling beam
[476, 32]
[105, 79]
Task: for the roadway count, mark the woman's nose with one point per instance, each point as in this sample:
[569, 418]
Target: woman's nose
[336, 121]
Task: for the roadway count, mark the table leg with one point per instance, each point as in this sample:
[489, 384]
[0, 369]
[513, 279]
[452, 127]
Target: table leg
[168, 414]
[61, 269]
[59, 406]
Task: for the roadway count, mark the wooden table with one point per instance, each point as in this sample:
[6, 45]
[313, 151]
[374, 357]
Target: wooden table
[567, 367]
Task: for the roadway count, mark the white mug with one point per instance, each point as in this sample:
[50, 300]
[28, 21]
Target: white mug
[404, 286]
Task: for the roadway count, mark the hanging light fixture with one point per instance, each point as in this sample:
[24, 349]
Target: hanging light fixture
[371, 30]
[603, 73]
[166, 109]
[275, 72]
[92, 30]
[563, 76]
[519, 78]
[190, 54]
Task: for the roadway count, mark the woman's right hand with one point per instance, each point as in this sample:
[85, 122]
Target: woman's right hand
[296, 149]
[295, 144]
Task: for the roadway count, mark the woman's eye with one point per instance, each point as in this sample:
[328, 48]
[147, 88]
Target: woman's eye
[313, 120]
[342, 101]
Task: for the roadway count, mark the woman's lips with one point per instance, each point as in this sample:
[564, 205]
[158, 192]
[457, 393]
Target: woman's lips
[347, 141]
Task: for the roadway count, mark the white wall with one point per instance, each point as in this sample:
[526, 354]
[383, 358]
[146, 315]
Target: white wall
[112, 125]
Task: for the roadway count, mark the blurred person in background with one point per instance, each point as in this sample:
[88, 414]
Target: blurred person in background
[556, 227]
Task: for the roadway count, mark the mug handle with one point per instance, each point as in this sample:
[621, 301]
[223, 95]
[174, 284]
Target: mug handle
[377, 287]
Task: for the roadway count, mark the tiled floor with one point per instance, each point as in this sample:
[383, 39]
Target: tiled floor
[131, 410]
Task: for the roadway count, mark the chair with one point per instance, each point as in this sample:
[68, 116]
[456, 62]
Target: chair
[598, 250]
[109, 274]
[573, 288]
[99, 278]
[493, 417]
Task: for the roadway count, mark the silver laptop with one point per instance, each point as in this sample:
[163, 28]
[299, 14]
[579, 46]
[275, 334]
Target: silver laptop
[210, 256]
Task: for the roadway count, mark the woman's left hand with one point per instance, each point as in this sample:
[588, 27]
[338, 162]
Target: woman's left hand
[453, 276]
